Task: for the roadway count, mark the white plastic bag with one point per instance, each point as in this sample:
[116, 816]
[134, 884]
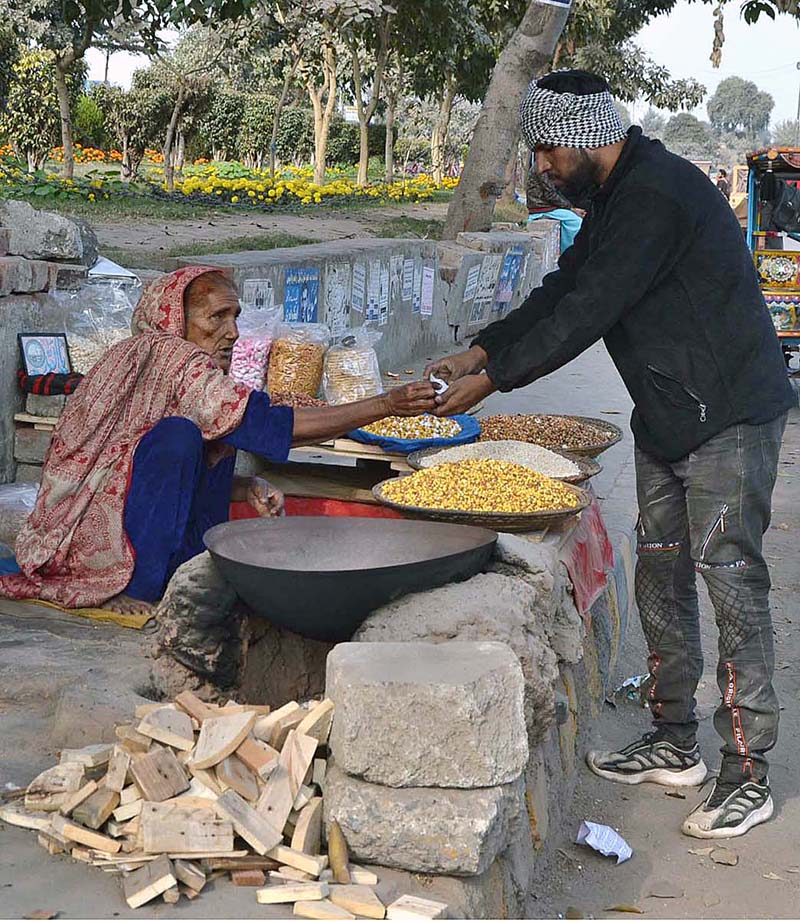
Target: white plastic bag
[351, 369]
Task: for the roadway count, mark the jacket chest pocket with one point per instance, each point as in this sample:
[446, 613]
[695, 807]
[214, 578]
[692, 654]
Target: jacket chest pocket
[677, 393]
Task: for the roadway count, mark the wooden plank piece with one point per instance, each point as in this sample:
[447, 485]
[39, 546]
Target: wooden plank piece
[359, 900]
[83, 836]
[242, 863]
[291, 893]
[96, 809]
[304, 796]
[318, 772]
[129, 794]
[320, 909]
[288, 873]
[195, 707]
[159, 775]
[277, 799]
[308, 831]
[253, 878]
[189, 873]
[264, 726]
[170, 726]
[118, 766]
[128, 811]
[300, 758]
[172, 895]
[131, 739]
[220, 736]
[173, 828]
[253, 827]
[50, 789]
[234, 774]
[17, 816]
[88, 756]
[415, 907]
[311, 864]
[76, 799]
[318, 722]
[148, 882]
[258, 756]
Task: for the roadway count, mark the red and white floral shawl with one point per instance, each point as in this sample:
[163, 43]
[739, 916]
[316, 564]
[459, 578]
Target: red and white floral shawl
[73, 549]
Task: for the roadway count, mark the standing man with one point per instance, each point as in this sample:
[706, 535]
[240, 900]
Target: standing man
[723, 185]
[661, 273]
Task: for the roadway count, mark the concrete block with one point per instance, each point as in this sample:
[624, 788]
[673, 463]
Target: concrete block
[66, 276]
[5, 237]
[29, 473]
[428, 715]
[46, 235]
[427, 830]
[44, 405]
[30, 445]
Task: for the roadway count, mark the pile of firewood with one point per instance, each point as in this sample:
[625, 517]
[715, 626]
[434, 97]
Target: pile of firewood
[192, 791]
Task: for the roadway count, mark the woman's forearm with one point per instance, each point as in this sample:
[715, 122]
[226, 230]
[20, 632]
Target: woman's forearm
[313, 424]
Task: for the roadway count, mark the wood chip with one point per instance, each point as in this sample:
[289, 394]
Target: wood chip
[131, 739]
[148, 882]
[243, 863]
[189, 873]
[277, 798]
[254, 878]
[304, 796]
[207, 777]
[318, 773]
[724, 856]
[320, 909]
[129, 794]
[364, 876]
[18, 816]
[359, 900]
[83, 836]
[253, 827]
[318, 722]
[276, 725]
[258, 756]
[169, 726]
[193, 706]
[308, 831]
[415, 907]
[97, 808]
[173, 828]
[159, 775]
[221, 736]
[311, 864]
[288, 873]
[118, 767]
[128, 811]
[291, 893]
[234, 774]
[50, 789]
[53, 843]
[88, 756]
[172, 895]
[74, 800]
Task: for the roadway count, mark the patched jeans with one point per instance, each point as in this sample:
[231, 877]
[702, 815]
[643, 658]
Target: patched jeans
[707, 514]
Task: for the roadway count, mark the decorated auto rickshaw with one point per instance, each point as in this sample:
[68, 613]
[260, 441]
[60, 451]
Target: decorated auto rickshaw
[773, 235]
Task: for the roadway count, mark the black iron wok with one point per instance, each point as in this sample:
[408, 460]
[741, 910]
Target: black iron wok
[321, 576]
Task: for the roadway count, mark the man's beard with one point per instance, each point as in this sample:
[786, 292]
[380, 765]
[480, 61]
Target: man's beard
[583, 183]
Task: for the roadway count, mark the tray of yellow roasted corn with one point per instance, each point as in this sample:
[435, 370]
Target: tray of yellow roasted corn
[481, 491]
[401, 435]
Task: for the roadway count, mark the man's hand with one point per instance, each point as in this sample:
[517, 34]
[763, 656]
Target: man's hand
[411, 399]
[453, 367]
[268, 501]
[464, 394]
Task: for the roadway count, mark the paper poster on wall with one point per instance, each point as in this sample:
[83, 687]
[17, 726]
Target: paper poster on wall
[408, 279]
[472, 282]
[359, 287]
[383, 299]
[337, 298]
[484, 294]
[373, 290]
[426, 306]
[258, 294]
[481, 308]
[509, 276]
[301, 302]
[416, 300]
[396, 278]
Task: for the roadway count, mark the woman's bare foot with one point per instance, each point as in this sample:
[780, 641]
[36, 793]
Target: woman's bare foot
[124, 605]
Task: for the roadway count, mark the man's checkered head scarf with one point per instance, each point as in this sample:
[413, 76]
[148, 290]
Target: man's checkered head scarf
[567, 120]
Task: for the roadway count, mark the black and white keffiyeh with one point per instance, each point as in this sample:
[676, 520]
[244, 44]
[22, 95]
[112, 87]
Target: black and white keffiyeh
[567, 120]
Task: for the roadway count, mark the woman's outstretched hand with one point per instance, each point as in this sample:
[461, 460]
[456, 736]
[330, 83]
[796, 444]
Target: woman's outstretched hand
[411, 399]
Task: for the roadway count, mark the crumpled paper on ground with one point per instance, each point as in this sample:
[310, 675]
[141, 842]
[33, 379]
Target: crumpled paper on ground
[604, 839]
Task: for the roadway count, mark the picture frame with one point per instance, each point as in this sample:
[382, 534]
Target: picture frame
[44, 353]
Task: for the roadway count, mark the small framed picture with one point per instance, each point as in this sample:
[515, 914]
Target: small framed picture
[44, 353]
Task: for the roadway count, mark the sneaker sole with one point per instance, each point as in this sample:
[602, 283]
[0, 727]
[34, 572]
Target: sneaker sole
[755, 818]
[687, 778]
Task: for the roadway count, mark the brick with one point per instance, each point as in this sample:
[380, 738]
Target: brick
[30, 445]
[41, 405]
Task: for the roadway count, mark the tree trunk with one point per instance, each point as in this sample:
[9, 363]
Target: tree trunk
[389, 146]
[180, 154]
[276, 124]
[363, 153]
[62, 90]
[323, 113]
[507, 196]
[125, 165]
[365, 113]
[528, 52]
[169, 141]
[440, 128]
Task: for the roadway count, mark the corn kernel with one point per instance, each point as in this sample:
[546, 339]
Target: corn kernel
[414, 427]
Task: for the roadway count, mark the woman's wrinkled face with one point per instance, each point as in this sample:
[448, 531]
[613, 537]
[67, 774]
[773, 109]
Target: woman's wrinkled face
[211, 324]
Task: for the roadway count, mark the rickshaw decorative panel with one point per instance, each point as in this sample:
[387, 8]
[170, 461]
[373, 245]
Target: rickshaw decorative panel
[784, 310]
[779, 268]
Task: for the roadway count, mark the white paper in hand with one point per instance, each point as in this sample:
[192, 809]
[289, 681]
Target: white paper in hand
[604, 839]
[439, 385]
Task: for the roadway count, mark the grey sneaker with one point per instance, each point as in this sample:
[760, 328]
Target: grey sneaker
[652, 759]
[730, 810]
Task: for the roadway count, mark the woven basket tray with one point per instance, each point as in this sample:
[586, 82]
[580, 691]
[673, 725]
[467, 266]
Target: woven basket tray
[498, 521]
[589, 450]
[588, 466]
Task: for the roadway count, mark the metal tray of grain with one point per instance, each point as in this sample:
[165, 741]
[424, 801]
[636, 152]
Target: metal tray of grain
[608, 434]
[588, 466]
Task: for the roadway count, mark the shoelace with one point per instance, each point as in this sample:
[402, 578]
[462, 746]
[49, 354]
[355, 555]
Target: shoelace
[722, 791]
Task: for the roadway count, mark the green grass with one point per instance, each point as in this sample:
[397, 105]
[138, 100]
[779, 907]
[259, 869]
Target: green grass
[120, 209]
[403, 226]
[162, 259]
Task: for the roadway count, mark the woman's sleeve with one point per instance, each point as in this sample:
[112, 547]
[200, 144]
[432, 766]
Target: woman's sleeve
[265, 430]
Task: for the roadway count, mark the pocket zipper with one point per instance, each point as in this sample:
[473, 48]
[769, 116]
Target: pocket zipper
[701, 406]
[718, 524]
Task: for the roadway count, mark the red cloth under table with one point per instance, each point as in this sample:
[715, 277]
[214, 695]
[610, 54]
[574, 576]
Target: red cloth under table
[301, 505]
[588, 556]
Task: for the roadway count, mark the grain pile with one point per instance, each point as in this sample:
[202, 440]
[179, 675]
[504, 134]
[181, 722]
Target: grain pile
[86, 351]
[415, 427]
[295, 400]
[192, 791]
[563, 433]
[538, 459]
[481, 486]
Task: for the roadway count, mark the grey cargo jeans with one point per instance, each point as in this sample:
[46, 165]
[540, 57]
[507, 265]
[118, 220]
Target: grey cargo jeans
[707, 513]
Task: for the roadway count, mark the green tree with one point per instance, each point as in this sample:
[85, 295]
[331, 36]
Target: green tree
[739, 106]
[255, 134]
[687, 136]
[89, 123]
[219, 128]
[787, 133]
[31, 113]
[294, 141]
[653, 124]
[9, 52]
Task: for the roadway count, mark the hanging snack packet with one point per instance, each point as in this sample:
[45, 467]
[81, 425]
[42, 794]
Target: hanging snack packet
[351, 370]
[296, 358]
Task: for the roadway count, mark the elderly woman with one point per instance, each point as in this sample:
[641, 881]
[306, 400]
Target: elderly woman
[141, 463]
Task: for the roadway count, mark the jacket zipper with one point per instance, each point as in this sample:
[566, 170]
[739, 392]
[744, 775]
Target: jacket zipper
[718, 524]
[698, 400]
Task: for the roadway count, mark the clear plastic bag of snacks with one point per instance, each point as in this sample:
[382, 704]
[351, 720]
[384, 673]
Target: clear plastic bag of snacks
[297, 357]
[97, 316]
[351, 369]
[250, 357]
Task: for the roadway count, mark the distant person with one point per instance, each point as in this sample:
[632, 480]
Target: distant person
[545, 201]
[723, 184]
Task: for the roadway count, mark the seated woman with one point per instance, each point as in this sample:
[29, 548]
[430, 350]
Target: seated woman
[141, 463]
